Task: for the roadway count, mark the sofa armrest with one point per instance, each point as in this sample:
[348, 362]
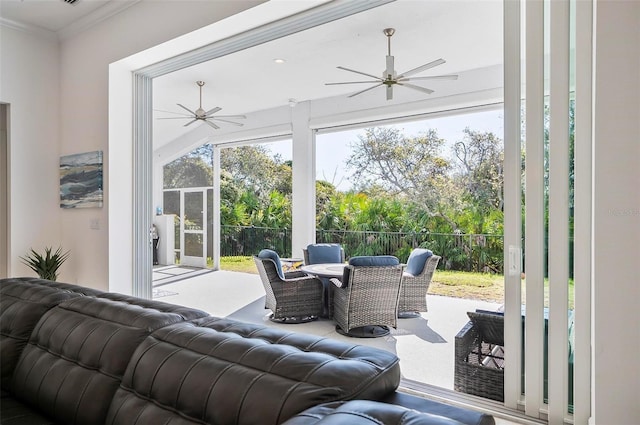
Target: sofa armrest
[367, 412]
[459, 414]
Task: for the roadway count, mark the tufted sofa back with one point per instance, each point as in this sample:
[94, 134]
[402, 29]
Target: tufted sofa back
[221, 371]
[77, 354]
[23, 301]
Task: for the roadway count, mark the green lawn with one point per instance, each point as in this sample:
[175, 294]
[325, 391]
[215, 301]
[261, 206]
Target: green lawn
[479, 286]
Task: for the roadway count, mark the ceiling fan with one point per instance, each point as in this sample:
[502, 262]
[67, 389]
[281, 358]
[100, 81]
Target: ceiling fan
[202, 115]
[390, 76]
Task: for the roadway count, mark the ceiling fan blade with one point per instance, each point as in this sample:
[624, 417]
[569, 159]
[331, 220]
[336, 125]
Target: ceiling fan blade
[212, 124]
[176, 118]
[390, 66]
[233, 117]
[365, 90]
[433, 77]
[389, 92]
[213, 111]
[171, 112]
[190, 122]
[359, 72]
[186, 109]
[423, 68]
[239, 124]
[413, 86]
[350, 82]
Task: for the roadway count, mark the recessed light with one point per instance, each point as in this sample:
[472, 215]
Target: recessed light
[279, 60]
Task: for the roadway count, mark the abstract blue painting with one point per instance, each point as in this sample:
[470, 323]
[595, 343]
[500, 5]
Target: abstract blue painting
[81, 180]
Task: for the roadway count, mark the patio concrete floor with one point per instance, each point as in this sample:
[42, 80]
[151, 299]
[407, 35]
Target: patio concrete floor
[425, 345]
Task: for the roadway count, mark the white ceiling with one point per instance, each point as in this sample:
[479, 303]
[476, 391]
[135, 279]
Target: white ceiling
[57, 15]
[466, 33]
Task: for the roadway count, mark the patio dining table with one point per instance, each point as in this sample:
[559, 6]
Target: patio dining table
[326, 270]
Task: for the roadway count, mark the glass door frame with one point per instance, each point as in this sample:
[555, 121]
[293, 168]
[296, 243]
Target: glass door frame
[185, 259]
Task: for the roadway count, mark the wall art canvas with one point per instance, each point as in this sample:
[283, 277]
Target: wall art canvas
[81, 180]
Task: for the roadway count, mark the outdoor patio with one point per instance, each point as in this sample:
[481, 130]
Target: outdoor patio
[425, 345]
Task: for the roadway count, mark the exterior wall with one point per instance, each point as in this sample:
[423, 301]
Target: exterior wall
[29, 83]
[616, 245]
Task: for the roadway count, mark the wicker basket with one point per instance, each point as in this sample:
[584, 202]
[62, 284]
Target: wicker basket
[478, 367]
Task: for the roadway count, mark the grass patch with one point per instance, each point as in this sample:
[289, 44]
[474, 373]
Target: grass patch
[480, 280]
[475, 286]
[238, 264]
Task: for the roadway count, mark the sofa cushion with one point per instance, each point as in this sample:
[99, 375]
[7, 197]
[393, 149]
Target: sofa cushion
[23, 301]
[187, 313]
[17, 413]
[77, 354]
[227, 372]
[83, 290]
[366, 412]
[460, 414]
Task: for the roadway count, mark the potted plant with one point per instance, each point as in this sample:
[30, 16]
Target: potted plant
[46, 265]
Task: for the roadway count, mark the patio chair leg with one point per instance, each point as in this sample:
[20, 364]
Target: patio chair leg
[373, 331]
[293, 320]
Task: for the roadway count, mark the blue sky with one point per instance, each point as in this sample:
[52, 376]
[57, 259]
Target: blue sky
[333, 149]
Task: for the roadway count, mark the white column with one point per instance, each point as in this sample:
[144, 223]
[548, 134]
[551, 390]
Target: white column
[558, 211]
[216, 207]
[304, 173]
[512, 205]
[534, 208]
[582, 240]
[616, 213]
[142, 187]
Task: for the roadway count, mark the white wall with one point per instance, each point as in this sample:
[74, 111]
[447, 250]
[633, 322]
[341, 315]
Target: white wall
[85, 60]
[29, 71]
[616, 330]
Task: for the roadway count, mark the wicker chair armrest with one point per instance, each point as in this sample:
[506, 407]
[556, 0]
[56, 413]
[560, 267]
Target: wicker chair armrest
[302, 279]
[465, 340]
[294, 274]
[337, 282]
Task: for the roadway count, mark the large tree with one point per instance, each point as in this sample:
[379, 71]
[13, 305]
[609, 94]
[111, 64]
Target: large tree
[411, 169]
[257, 169]
[188, 171]
[480, 175]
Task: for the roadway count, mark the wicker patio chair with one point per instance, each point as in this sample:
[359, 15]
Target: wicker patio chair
[293, 297]
[318, 253]
[479, 356]
[323, 253]
[415, 282]
[365, 302]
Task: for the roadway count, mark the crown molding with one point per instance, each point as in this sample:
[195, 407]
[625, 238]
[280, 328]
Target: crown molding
[110, 9]
[31, 29]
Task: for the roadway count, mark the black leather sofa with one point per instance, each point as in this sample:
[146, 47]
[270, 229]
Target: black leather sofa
[75, 355]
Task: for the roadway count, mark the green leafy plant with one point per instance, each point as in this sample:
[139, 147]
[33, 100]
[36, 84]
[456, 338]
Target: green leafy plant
[47, 265]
